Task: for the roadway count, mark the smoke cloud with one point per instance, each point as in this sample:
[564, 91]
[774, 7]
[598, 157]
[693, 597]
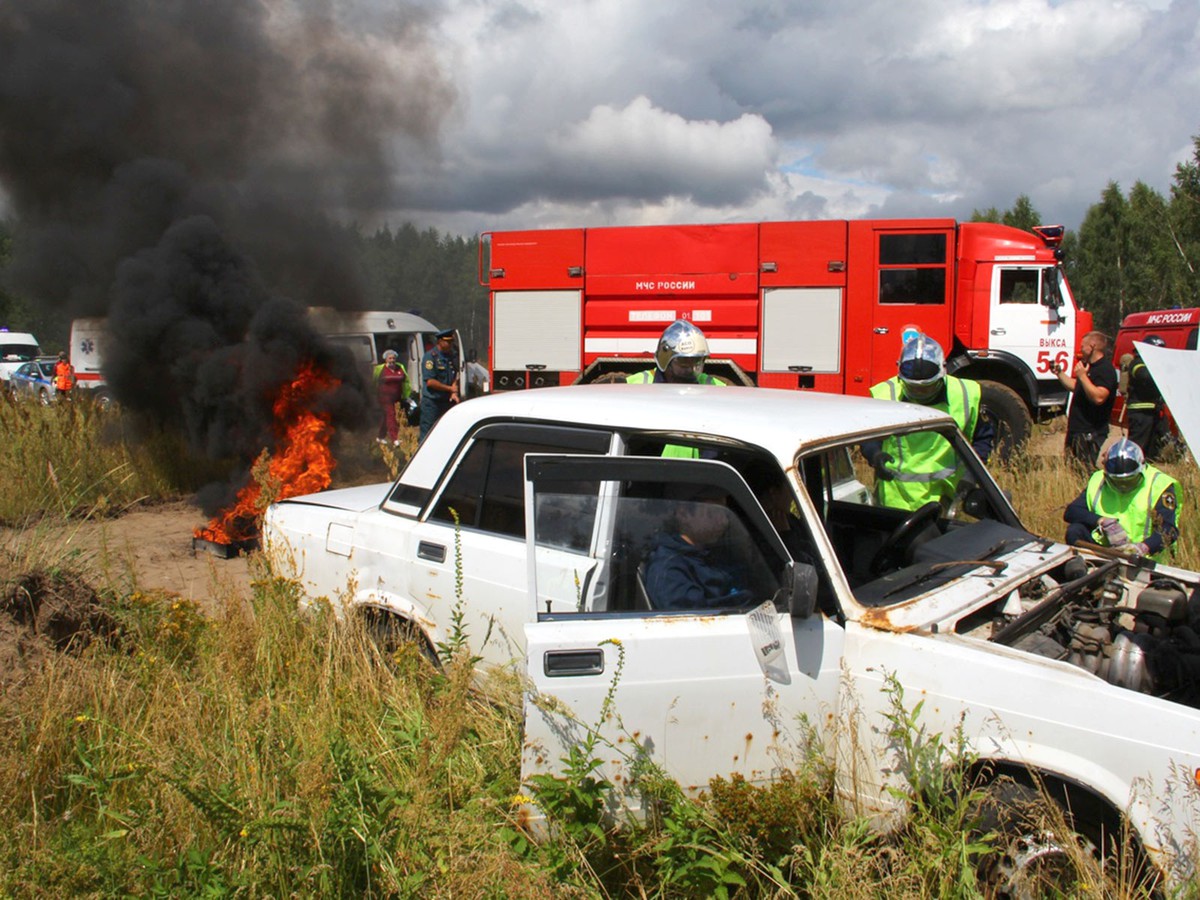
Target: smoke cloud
[179, 166]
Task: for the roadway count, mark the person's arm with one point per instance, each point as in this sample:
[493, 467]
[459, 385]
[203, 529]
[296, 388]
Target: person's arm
[1166, 531]
[984, 438]
[1096, 393]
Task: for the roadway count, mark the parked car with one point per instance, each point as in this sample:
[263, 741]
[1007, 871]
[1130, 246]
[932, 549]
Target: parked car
[539, 514]
[34, 381]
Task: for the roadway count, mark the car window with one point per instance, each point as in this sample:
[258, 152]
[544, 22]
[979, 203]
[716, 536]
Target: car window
[667, 547]
[487, 488]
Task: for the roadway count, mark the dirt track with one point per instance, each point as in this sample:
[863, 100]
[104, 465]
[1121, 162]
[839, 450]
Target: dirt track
[148, 548]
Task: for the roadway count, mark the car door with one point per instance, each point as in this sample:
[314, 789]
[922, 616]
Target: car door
[470, 539]
[712, 690]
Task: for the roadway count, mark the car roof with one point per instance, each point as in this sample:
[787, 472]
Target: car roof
[781, 421]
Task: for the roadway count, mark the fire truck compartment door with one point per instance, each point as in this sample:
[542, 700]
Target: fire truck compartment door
[802, 330]
[537, 329]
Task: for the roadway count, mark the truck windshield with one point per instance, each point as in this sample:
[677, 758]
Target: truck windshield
[23, 352]
[909, 506]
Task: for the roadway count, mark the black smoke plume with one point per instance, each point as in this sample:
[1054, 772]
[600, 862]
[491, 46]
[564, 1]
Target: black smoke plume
[179, 166]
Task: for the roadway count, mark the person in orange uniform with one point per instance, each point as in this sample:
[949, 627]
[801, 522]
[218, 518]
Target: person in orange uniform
[64, 377]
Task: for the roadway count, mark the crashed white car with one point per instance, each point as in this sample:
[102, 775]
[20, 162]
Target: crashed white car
[1066, 669]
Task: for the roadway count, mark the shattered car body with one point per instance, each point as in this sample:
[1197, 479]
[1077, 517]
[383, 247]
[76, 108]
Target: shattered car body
[549, 509]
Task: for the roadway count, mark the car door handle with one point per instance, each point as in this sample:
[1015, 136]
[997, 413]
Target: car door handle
[999, 331]
[430, 551]
[558, 663]
[880, 330]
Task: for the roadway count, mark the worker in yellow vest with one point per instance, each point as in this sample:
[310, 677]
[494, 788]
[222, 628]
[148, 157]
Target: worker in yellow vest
[1128, 505]
[911, 470]
[679, 359]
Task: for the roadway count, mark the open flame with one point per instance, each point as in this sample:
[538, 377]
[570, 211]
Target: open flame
[301, 463]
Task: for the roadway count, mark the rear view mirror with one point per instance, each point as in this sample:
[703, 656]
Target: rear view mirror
[802, 589]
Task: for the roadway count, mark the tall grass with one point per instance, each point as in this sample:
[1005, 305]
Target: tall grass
[261, 752]
[75, 459]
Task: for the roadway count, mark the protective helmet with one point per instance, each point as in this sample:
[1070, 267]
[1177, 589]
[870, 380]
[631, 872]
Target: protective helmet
[1124, 464]
[1154, 340]
[922, 368]
[681, 340]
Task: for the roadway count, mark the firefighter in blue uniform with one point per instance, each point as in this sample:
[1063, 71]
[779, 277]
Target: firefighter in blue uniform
[439, 374]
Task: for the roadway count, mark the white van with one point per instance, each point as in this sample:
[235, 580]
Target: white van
[16, 349]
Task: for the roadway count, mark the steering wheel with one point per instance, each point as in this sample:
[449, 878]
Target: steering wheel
[897, 542]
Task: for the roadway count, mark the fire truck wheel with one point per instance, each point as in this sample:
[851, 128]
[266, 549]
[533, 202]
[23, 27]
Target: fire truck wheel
[1010, 417]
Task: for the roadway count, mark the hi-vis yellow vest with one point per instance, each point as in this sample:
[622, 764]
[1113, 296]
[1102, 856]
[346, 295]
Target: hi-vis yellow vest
[1133, 509]
[927, 468]
[674, 450]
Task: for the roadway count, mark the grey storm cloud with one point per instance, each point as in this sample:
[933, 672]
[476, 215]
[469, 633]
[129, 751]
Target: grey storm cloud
[674, 111]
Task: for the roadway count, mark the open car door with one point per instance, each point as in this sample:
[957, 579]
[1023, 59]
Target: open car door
[710, 685]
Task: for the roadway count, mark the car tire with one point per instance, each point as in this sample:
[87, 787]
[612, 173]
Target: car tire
[1009, 416]
[393, 635]
[43, 397]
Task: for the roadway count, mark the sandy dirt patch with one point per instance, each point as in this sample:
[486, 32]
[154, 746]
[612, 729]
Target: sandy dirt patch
[148, 548]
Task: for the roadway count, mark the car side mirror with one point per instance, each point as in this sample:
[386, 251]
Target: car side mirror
[802, 589]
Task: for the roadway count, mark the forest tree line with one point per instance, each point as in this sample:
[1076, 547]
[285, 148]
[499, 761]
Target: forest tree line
[1134, 251]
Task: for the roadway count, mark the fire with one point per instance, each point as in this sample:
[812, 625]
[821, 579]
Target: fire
[301, 463]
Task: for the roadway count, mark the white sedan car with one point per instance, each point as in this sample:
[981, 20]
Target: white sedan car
[552, 520]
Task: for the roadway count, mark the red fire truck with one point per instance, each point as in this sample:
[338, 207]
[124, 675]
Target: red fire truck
[803, 305]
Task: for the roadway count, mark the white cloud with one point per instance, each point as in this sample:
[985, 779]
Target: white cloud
[591, 111]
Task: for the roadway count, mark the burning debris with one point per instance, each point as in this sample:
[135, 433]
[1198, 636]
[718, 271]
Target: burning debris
[175, 167]
[302, 463]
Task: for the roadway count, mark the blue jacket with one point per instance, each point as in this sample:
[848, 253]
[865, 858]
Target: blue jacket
[680, 575]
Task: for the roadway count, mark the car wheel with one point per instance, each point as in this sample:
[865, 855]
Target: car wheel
[44, 397]
[1008, 415]
[394, 636]
[1042, 849]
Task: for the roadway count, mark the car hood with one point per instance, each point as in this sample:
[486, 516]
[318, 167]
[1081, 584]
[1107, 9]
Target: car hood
[971, 589]
[354, 499]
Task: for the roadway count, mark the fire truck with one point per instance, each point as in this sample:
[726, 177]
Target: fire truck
[811, 306]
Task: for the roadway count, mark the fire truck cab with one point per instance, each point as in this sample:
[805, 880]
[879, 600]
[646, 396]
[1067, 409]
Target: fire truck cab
[818, 306]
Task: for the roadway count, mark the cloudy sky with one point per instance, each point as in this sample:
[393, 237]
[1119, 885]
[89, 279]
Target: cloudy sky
[569, 112]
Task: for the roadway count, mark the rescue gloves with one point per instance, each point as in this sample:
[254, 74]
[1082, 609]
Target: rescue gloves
[1113, 533]
[879, 463]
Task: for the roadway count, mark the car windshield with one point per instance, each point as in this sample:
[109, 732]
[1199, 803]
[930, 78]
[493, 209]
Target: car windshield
[907, 512]
[18, 351]
[47, 369]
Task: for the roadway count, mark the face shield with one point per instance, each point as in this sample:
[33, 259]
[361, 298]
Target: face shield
[1123, 466]
[681, 352]
[922, 368]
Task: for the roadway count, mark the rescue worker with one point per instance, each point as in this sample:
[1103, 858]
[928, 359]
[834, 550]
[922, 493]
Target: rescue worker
[391, 387]
[911, 470]
[1093, 387]
[1144, 405]
[439, 374]
[679, 359]
[1127, 505]
[64, 377]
